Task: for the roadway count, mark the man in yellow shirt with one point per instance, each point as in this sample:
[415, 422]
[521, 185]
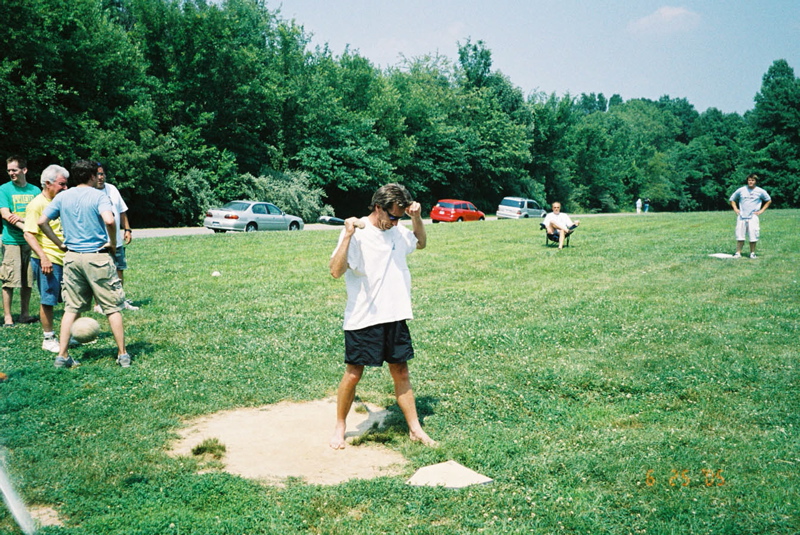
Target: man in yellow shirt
[47, 259]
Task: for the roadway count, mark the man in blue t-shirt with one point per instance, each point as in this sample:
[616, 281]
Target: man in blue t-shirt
[90, 238]
[752, 201]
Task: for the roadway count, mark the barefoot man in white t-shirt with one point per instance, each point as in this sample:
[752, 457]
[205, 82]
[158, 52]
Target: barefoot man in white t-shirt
[371, 254]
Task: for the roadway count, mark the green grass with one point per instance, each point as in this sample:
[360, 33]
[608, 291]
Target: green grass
[571, 378]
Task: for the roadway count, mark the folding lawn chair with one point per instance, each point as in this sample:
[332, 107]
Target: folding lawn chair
[554, 237]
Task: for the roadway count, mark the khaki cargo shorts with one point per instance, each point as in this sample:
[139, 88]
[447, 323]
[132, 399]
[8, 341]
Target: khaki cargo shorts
[88, 275]
[16, 271]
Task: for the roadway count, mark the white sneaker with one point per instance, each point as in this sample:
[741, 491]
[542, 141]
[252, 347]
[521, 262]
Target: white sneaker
[127, 305]
[753, 255]
[737, 255]
[50, 344]
[98, 309]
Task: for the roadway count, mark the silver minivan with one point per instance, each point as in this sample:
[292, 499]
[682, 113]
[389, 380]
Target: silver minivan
[519, 208]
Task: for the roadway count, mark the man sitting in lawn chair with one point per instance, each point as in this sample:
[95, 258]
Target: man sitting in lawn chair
[559, 225]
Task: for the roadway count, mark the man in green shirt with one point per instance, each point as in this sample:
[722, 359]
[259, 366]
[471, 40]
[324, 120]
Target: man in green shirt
[15, 271]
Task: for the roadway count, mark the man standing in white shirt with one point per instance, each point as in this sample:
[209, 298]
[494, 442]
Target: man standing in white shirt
[124, 232]
[559, 223]
[373, 262]
[749, 199]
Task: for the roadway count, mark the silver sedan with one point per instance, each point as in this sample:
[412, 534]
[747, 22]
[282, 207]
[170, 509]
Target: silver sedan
[250, 216]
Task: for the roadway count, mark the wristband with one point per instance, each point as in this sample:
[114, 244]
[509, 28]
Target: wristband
[127, 230]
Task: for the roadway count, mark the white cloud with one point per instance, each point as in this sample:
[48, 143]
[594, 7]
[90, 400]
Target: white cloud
[665, 20]
[389, 49]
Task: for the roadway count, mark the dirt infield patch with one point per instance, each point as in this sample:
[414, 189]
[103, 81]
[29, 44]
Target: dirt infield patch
[288, 439]
[45, 516]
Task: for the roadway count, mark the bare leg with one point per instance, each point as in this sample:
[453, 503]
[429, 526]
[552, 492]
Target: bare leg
[753, 246]
[46, 315]
[8, 299]
[405, 399]
[739, 245]
[561, 234]
[344, 400]
[66, 325]
[115, 321]
[24, 303]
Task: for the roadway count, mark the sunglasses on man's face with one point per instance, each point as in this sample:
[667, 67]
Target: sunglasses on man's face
[392, 217]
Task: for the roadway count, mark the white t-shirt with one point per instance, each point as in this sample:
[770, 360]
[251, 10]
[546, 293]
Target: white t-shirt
[562, 219]
[750, 200]
[119, 208]
[377, 279]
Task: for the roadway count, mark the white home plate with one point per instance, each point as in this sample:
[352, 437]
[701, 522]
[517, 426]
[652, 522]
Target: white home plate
[721, 255]
[449, 474]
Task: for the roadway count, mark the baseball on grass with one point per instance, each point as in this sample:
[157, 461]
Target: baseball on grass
[215, 274]
[85, 330]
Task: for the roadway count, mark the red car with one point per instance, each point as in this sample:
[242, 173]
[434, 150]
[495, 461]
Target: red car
[455, 210]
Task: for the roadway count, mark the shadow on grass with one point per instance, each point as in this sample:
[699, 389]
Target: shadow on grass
[394, 424]
[100, 351]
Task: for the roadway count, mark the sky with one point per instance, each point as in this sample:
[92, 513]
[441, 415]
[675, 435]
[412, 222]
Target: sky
[714, 53]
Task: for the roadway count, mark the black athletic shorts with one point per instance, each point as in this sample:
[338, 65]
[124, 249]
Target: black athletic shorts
[374, 345]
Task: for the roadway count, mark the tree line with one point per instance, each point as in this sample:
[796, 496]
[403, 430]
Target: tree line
[191, 104]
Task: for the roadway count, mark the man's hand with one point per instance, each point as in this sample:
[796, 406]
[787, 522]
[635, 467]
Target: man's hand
[351, 224]
[47, 265]
[414, 210]
[338, 262]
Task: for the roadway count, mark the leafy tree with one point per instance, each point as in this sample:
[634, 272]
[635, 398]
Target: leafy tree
[774, 134]
[647, 132]
[683, 111]
[553, 119]
[432, 155]
[475, 60]
[340, 146]
[592, 103]
[709, 161]
[292, 192]
[191, 102]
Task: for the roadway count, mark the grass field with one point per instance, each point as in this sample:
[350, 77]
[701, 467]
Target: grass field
[627, 384]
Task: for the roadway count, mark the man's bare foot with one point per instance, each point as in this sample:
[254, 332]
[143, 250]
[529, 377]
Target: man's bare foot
[422, 436]
[337, 439]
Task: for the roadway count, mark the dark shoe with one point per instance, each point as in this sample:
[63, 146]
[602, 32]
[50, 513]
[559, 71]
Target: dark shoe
[32, 319]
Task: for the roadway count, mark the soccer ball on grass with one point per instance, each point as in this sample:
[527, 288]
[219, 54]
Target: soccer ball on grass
[85, 330]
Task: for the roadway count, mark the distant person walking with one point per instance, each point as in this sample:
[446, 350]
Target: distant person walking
[639, 205]
[15, 271]
[646, 204]
[90, 237]
[47, 259]
[373, 262]
[749, 202]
